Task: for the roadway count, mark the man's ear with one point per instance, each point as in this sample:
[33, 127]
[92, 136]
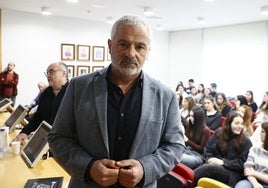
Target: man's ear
[109, 44]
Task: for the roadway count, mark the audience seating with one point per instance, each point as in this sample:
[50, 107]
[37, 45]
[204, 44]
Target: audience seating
[210, 183]
[254, 126]
[186, 172]
[232, 103]
[254, 115]
[211, 132]
[222, 120]
[180, 176]
[171, 180]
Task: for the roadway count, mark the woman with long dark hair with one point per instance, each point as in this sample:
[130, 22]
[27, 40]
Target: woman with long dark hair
[225, 153]
[196, 137]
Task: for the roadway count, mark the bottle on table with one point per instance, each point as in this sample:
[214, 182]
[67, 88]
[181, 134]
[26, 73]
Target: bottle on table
[3, 142]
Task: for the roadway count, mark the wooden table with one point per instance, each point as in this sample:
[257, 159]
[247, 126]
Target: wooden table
[14, 172]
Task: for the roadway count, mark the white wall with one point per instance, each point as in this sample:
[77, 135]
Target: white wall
[185, 56]
[235, 57]
[237, 54]
[33, 41]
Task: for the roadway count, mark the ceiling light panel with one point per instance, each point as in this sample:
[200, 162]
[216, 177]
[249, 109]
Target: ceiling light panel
[45, 11]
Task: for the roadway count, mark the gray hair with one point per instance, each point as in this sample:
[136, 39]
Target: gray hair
[131, 20]
[64, 67]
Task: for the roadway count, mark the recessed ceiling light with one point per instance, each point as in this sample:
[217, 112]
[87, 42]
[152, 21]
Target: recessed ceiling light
[201, 20]
[148, 11]
[264, 10]
[45, 11]
[97, 6]
[72, 1]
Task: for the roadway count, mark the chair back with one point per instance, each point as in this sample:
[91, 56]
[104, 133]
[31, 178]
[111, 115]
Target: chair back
[222, 121]
[186, 172]
[210, 183]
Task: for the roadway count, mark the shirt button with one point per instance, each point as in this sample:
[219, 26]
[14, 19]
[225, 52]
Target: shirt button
[119, 138]
[122, 114]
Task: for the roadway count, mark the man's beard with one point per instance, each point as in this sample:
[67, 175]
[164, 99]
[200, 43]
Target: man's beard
[128, 66]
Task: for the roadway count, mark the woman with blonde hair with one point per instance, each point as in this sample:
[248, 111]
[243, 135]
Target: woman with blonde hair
[223, 104]
[246, 113]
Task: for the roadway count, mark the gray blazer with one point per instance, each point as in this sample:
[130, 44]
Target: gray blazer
[79, 132]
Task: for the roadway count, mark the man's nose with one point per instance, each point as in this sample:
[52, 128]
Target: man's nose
[131, 51]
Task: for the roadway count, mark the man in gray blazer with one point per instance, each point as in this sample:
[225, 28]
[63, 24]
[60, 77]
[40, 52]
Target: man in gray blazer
[118, 127]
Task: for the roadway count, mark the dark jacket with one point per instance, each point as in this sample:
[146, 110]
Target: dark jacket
[233, 160]
[213, 121]
[47, 109]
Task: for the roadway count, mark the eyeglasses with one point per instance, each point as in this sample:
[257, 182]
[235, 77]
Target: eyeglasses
[51, 72]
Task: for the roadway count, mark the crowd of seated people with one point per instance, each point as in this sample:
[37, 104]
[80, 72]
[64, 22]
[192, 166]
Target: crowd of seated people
[225, 147]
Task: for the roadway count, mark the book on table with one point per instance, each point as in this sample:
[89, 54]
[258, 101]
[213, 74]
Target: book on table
[53, 182]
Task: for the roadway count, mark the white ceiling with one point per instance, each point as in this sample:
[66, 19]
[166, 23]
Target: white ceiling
[170, 14]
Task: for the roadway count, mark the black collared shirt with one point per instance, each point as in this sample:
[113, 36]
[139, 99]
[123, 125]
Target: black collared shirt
[123, 116]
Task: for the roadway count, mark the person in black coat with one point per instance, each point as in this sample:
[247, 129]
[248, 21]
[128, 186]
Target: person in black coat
[50, 99]
[225, 152]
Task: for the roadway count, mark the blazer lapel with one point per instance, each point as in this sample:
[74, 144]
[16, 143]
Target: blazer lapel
[100, 93]
[146, 110]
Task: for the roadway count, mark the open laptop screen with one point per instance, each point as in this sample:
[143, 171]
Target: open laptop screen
[16, 117]
[37, 145]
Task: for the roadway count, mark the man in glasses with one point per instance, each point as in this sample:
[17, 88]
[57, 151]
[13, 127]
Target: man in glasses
[50, 99]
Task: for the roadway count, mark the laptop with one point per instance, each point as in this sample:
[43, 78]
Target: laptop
[37, 146]
[4, 104]
[15, 118]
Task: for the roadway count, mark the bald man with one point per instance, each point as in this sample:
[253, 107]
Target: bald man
[8, 83]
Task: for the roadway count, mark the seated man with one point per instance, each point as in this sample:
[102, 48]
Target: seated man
[50, 99]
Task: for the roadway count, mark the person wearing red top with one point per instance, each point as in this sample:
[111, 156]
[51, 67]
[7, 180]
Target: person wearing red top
[8, 83]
